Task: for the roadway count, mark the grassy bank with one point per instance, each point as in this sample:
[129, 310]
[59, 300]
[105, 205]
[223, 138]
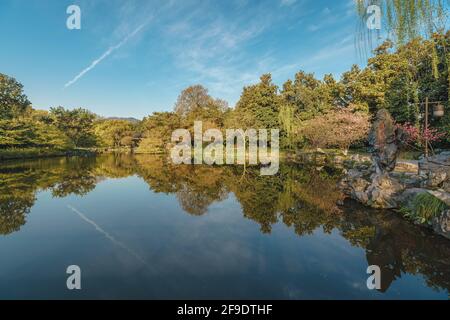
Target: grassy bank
[30, 153]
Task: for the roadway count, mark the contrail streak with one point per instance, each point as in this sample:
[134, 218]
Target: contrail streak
[105, 55]
[108, 236]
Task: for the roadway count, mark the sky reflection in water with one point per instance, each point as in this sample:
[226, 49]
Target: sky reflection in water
[141, 228]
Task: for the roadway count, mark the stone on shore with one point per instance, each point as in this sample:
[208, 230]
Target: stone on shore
[391, 185]
[441, 224]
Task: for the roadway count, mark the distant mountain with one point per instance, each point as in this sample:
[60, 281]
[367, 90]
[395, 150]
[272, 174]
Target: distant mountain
[132, 120]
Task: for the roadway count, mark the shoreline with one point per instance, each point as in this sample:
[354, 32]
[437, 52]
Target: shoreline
[37, 153]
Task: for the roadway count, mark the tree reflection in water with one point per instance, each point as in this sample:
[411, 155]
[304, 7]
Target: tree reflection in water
[302, 198]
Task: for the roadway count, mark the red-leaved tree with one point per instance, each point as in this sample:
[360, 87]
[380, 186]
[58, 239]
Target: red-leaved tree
[339, 128]
[412, 135]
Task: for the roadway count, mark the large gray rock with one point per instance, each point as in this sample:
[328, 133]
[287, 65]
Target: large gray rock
[406, 198]
[383, 142]
[446, 186]
[377, 191]
[376, 187]
[407, 167]
[383, 191]
[380, 187]
[441, 224]
[436, 174]
[436, 171]
[441, 195]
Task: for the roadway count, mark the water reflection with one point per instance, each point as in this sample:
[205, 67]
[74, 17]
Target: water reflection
[304, 199]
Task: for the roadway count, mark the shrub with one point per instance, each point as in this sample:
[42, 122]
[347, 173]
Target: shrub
[424, 207]
[412, 135]
[338, 128]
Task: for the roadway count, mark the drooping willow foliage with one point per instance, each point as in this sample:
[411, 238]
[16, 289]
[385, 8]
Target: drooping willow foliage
[404, 20]
[286, 118]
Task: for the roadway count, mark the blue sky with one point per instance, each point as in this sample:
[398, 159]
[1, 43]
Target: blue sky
[153, 49]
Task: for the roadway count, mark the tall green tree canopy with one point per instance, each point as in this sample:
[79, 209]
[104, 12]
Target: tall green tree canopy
[13, 101]
[308, 95]
[195, 104]
[114, 133]
[194, 98]
[259, 105]
[77, 124]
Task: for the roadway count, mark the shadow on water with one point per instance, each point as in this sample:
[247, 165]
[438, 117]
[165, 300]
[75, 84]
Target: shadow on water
[304, 199]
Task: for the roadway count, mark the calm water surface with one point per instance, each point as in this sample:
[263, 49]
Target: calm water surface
[141, 228]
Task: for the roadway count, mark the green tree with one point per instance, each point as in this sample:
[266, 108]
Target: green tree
[195, 104]
[156, 131]
[354, 91]
[77, 124]
[23, 133]
[114, 133]
[309, 96]
[13, 102]
[258, 106]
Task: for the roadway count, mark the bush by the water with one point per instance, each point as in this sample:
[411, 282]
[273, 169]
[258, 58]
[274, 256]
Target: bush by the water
[424, 207]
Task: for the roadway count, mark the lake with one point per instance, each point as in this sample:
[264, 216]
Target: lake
[141, 228]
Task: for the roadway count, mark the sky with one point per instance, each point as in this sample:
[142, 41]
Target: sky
[133, 57]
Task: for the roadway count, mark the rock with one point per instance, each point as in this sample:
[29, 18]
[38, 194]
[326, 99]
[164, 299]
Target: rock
[354, 173]
[358, 158]
[407, 167]
[379, 187]
[338, 160]
[446, 186]
[413, 181]
[436, 170]
[360, 185]
[441, 195]
[383, 191]
[410, 180]
[405, 199]
[353, 185]
[442, 158]
[320, 158]
[319, 150]
[436, 176]
[379, 191]
[441, 224]
[383, 142]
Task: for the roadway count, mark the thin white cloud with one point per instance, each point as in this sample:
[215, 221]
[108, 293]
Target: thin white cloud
[325, 55]
[313, 27]
[288, 2]
[107, 235]
[105, 55]
[214, 52]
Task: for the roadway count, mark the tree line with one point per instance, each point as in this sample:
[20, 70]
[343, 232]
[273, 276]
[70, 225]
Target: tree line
[309, 112]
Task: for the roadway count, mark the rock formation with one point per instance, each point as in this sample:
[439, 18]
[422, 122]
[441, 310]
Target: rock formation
[383, 142]
[376, 187]
[436, 171]
[379, 187]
